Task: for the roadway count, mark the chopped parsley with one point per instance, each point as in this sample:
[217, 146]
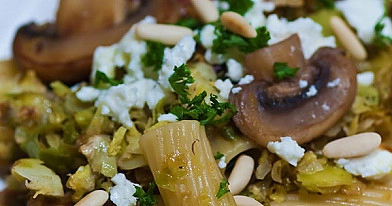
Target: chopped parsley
[218, 155]
[329, 4]
[226, 40]
[103, 81]
[240, 6]
[381, 40]
[197, 108]
[146, 198]
[154, 56]
[282, 70]
[223, 188]
[190, 22]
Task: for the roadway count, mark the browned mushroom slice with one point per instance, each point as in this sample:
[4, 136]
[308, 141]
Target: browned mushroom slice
[310, 115]
[66, 56]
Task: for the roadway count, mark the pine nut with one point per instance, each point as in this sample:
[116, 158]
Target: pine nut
[352, 146]
[164, 33]
[241, 200]
[241, 174]
[347, 37]
[236, 23]
[206, 10]
[94, 198]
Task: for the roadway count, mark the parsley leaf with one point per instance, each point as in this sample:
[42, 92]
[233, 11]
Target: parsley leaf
[190, 22]
[154, 55]
[197, 108]
[329, 4]
[226, 40]
[218, 155]
[103, 81]
[240, 7]
[282, 70]
[146, 198]
[381, 40]
[223, 188]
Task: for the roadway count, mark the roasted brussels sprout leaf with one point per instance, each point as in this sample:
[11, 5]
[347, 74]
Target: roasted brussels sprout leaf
[38, 177]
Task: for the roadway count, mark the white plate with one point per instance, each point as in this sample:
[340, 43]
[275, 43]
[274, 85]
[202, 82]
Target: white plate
[14, 13]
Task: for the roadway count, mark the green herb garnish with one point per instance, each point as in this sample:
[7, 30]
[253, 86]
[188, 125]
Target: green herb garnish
[154, 56]
[223, 188]
[381, 40]
[226, 40]
[146, 198]
[190, 22]
[329, 4]
[197, 108]
[103, 81]
[239, 6]
[282, 70]
[218, 155]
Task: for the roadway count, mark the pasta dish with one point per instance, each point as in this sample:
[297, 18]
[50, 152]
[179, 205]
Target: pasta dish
[199, 102]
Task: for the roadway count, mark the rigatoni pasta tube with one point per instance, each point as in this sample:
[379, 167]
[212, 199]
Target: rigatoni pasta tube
[180, 158]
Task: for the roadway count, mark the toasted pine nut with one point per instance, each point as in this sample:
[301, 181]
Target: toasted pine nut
[94, 198]
[206, 10]
[352, 146]
[347, 37]
[241, 174]
[236, 23]
[164, 33]
[241, 200]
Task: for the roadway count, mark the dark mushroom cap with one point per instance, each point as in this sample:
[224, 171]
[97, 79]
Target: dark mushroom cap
[299, 115]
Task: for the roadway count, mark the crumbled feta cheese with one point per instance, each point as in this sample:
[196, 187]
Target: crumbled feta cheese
[365, 78]
[214, 58]
[118, 100]
[255, 15]
[88, 94]
[308, 31]
[373, 166]
[121, 194]
[235, 90]
[168, 117]
[287, 149]
[207, 36]
[325, 107]
[222, 162]
[224, 87]
[127, 53]
[363, 16]
[302, 83]
[246, 79]
[312, 91]
[234, 70]
[176, 56]
[333, 83]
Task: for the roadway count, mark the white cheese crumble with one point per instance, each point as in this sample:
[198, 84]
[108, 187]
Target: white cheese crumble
[224, 87]
[176, 56]
[325, 107]
[168, 117]
[207, 36]
[312, 91]
[88, 94]
[309, 32]
[118, 100]
[374, 165]
[255, 15]
[333, 83]
[121, 194]
[302, 83]
[235, 90]
[247, 79]
[363, 16]
[287, 149]
[365, 78]
[234, 70]
[222, 162]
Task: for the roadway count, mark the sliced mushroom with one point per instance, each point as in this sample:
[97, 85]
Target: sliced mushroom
[60, 52]
[302, 115]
